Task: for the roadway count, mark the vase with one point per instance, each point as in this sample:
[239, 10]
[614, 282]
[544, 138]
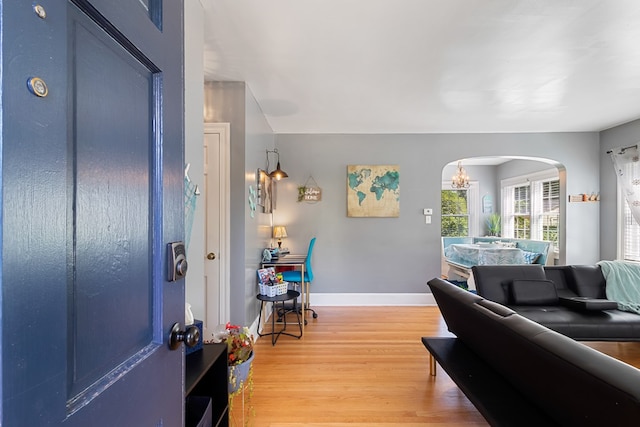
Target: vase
[238, 374]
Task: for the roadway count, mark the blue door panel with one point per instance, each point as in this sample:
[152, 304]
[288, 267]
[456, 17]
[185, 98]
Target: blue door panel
[113, 143]
[91, 180]
[34, 205]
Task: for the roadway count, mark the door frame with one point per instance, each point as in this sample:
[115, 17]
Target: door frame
[223, 299]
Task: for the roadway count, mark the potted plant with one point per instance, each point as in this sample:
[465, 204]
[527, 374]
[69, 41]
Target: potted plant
[493, 224]
[240, 343]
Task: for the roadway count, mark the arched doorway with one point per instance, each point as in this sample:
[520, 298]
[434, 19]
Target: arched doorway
[527, 194]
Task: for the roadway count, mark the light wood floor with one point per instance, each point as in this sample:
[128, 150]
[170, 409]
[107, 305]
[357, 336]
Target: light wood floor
[363, 366]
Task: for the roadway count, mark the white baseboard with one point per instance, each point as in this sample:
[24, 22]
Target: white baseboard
[254, 328]
[378, 299]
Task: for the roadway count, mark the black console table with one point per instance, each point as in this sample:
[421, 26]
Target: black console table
[206, 376]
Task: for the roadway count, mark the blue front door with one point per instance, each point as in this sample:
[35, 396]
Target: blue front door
[92, 167]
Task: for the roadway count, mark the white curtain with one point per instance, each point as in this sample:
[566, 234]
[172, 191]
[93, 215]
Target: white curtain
[507, 211]
[626, 162]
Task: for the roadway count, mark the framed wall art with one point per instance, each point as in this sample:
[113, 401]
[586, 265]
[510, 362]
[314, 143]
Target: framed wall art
[373, 191]
[265, 191]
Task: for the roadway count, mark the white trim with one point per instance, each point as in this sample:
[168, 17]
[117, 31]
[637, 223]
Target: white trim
[368, 299]
[254, 328]
[476, 209]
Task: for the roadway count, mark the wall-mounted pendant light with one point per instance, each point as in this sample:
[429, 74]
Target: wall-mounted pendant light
[277, 173]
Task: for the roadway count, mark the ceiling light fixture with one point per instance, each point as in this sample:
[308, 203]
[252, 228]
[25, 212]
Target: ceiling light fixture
[460, 179]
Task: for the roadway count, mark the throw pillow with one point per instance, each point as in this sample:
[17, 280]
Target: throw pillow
[533, 292]
[530, 257]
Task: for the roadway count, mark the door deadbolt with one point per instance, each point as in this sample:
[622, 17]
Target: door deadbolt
[211, 255]
[177, 261]
[190, 336]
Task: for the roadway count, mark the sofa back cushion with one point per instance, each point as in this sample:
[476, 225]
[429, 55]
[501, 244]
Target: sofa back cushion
[533, 292]
[558, 275]
[587, 281]
[493, 281]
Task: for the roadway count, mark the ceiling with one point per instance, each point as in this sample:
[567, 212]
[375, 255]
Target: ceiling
[430, 66]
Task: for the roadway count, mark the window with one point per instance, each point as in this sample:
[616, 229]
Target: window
[531, 206]
[459, 210]
[550, 210]
[455, 213]
[521, 213]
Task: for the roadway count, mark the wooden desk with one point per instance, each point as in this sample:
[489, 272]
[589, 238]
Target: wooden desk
[297, 261]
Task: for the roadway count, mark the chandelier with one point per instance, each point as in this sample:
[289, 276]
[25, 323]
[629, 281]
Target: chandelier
[460, 179]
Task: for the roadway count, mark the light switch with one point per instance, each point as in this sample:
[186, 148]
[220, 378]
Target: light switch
[427, 219]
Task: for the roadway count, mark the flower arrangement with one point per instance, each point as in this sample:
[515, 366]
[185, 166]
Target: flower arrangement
[239, 343]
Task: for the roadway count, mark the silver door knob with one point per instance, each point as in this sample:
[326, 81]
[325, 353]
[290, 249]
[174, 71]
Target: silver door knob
[190, 336]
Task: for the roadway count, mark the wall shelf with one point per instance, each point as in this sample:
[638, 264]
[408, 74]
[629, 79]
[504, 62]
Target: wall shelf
[584, 198]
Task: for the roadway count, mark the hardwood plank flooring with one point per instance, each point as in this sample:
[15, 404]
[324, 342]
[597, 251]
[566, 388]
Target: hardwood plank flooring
[363, 366]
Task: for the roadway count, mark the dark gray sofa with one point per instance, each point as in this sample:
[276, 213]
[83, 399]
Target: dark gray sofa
[553, 379]
[568, 299]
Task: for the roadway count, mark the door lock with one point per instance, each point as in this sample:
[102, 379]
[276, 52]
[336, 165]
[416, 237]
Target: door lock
[177, 261]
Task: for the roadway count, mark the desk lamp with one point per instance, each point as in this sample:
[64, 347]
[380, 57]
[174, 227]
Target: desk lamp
[279, 232]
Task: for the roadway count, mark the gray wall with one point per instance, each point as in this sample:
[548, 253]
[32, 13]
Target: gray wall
[232, 102]
[373, 254]
[620, 136]
[398, 255]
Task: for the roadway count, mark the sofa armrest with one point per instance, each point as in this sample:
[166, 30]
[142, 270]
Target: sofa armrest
[588, 304]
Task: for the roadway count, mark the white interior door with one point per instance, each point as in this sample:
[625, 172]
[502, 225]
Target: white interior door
[216, 270]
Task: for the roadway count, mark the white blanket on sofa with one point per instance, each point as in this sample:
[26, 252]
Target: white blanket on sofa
[623, 284]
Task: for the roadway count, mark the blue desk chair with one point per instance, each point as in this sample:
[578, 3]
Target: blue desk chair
[295, 276]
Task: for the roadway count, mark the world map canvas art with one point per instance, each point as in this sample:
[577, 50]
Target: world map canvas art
[373, 191]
